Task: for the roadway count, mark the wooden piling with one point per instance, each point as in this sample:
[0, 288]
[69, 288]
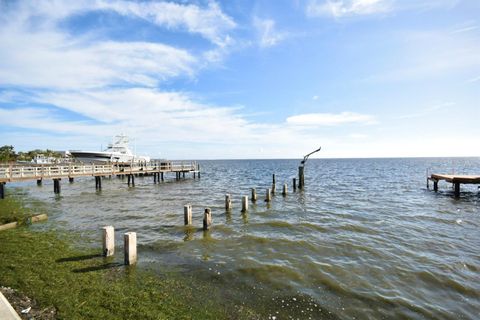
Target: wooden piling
[2, 190]
[39, 182]
[273, 178]
[268, 197]
[38, 218]
[70, 179]
[161, 175]
[56, 186]
[457, 189]
[198, 169]
[187, 214]
[183, 175]
[254, 195]
[301, 177]
[108, 242]
[98, 182]
[244, 203]
[154, 178]
[294, 184]
[130, 247]
[207, 219]
[228, 202]
[284, 192]
[435, 185]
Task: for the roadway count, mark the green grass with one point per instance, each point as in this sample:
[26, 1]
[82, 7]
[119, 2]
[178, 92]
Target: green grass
[80, 284]
[11, 210]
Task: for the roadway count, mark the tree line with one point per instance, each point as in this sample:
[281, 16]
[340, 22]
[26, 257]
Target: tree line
[8, 154]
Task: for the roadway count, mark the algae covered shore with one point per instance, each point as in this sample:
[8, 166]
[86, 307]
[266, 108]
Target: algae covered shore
[77, 283]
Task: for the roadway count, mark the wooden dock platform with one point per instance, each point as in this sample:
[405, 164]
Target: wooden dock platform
[16, 172]
[455, 179]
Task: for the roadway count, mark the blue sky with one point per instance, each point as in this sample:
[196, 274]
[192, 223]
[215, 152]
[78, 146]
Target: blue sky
[243, 79]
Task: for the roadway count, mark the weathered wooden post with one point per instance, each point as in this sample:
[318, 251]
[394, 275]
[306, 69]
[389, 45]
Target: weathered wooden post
[244, 203]
[39, 182]
[187, 214]
[435, 185]
[268, 197]
[228, 202]
[207, 219]
[108, 241]
[98, 182]
[154, 178]
[254, 195]
[284, 192]
[294, 184]
[198, 169]
[130, 247]
[70, 179]
[56, 186]
[133, 180]
[162, 176]
[2, 190]
[301, 177]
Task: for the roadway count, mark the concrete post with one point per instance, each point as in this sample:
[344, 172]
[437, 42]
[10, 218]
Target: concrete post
[130, 247]
[108, 241]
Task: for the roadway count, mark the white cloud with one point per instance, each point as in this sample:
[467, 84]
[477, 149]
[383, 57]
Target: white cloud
[342, 8]
[210, 22]
[267, 34]
[330, 119]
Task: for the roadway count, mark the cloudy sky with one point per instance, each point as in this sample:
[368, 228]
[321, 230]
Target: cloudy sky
[243, 79]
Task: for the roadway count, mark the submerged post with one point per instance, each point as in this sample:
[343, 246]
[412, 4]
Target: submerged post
[228, 202]
[187, 214]
[70, 179]
[39, 182]
[130, 247]
[244, 203]
[294, 184]
[268, 197]
[108, 241]
[207, 219]
[284, 192]
[254, 195]
[2, 190]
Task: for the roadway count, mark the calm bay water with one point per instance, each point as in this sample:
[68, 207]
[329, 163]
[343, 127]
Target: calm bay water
[364, 239]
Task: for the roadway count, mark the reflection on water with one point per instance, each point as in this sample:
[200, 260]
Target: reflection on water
[363, 239]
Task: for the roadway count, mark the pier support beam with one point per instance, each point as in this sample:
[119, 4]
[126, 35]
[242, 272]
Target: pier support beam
[154, 178]
[131, 180]
[435, 185]
[301, 177]
[187, 214]
[457, 189]
[98, 183]
[198, 169]
[56, 186]
[39, 182]
[207, 219]
[161, 176]
[70, 179]
[108, 241]
[183, 175]
[294, 184]
[2, 190]
[130, 247]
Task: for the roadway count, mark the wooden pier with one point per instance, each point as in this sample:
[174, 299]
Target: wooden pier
[455, 179]
[16, 172]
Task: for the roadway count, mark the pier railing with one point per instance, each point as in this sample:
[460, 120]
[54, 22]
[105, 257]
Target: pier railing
[20, 172]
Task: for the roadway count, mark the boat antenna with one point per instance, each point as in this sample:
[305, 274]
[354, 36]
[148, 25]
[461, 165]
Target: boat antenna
[305, 158]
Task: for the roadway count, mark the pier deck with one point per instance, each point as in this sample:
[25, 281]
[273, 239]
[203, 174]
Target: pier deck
[24, 172]
[456, 179]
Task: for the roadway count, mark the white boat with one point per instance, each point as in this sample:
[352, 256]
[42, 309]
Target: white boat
[117, 151]
[42, 159]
